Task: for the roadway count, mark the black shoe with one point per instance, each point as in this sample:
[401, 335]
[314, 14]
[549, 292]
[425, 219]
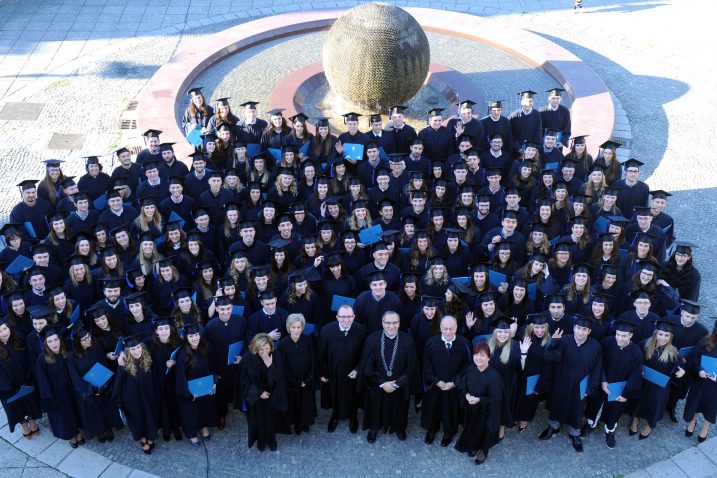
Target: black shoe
[371, 437]
[630, 432]
[430, 436]
[689, 433]
[610, 439]
[586, 430]
[446, 440]
[74, 444]
[548, 433]
[110, 436]
[577, 443]
[101, 439]
[333, 423]
[673, 413]
[401, 434]
[177, 435]
[166, 437]
[260, 446]
[353, 424]
[701, 439]
[644, 437]
[272, 446]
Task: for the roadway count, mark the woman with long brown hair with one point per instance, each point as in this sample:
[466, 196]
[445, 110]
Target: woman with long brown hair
[198, 113]
[49, 188]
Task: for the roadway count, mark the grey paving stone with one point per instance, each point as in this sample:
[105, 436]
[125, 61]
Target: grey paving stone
[84, 463]
[116, 470]
[55, 453]
[694, 463]
[67, 141]
[709, 448]
[665, 469]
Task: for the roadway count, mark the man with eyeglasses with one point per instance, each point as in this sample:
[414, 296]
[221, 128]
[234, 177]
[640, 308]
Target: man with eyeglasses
[339, 353]
[389, 374]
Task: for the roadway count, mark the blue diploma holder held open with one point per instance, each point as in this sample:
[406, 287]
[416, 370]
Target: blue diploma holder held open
[652, 375]
[195, 137]
[176, 217]
[24, 391]
[98, 375]
[19, 264]
[275, 153]
[201, 387]
[370, 235]
[615, 390]
[100, 203]
[496, 278]
[252, 149]
[709, 364]
[353, 151]
[238, 310]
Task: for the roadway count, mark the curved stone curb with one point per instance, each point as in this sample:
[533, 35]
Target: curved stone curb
[592, 109]
[58, 454]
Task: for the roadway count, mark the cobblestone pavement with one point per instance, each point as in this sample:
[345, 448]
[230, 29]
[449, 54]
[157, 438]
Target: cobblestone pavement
[84, 61]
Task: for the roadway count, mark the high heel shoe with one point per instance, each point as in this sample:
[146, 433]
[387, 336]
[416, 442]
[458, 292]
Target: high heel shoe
[701, 439]
[689, 433]
[644, 437]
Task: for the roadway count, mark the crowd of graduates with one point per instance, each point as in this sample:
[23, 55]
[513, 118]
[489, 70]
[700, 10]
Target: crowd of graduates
[480, 266]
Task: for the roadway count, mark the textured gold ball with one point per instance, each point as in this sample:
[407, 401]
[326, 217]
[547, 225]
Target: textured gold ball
[376, 55]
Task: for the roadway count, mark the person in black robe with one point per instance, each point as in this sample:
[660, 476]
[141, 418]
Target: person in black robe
[163, 343]
[95, 183]
[270, 319]
[505, 358]
[55, 387]
[466, 124]
[389, 374]
[198, 113]
[135, 393]
[534, 342]
[576, 375]
[117, 214]
[15, 373]
[482, 388]
[495, 123]
[399, 132]
[177, 204]
[128, 171]
[445, 359]
[97, 410]
[556, 117]
[526, 123]
[250, 128]
[702, 397]
[633, 192]
[195, 361]
[299, 364]
[370, 305]
[688, 334]
[225, 329]
[662, 357]
[262, 391]
[301, 298]
[339, 353]
[438, 140]
[680, 272]
[622, 362]
[32, 210]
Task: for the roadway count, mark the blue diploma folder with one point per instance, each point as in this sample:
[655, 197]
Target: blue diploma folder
[496, 278]
[195, 137]
[30, 229]
[276, 154]
[252, 149]
[532, 291]
[234, 351]
[97, 375]
[686, 351]
[238, 310]
[340, 300]
[652, 375]
[462, 280]
[709, 364]
[19, 264]
[24, 391]
[370, 235]
[584, 387]
[530, 383]
[615, 390]
[552, 166]
[309, 328]
[481, 338]
[176, 217]
[75, 315]
[353, 151]
[200, 387]
[119, 347]
[305, 148]
[172, 356]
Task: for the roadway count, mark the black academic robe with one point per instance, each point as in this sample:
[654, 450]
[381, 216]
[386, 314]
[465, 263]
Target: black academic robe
[574, 363]
[94, 187]
[183, 209]
[136, 396]
[165, 385]
[558, 119]
[702, 397]
[535, 364]
[259, 321]
[215, 205]
[310, 308]
[113, 220]
[619, 365]
[438, 143]
[264, 416]
[145, 156]
[198, 120]
[338, 354]
[687, 281]
[441, 364]
[653, 397]
[401, 139]
[14, 373]
[299, 363]
[369, 311]
[35, 215]
[132, 176]
[156, 191]
[56, 394]
[382, 410]
[510, 376]
[195, 412]
[474, 128]
[194, 186]
[76, 224]
[97, 411]
[391, 272]
[250, 133]
[630, 197]
[221, 335]
[482, 420]
[526, 127]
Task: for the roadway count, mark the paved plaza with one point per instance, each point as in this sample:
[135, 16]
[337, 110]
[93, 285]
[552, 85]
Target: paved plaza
[70, 70]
